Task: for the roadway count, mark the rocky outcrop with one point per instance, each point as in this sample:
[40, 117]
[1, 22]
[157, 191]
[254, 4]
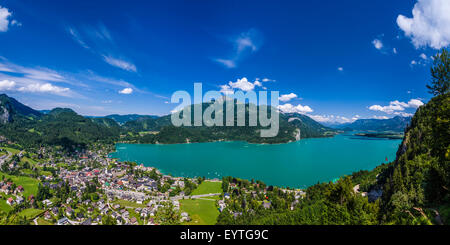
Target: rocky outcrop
[297, 134]
[5, 116]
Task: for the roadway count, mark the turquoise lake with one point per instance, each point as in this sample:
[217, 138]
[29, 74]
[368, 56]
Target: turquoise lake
[298, 164]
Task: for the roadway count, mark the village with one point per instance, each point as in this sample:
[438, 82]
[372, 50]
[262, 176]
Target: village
[49, 186]
[87, 188]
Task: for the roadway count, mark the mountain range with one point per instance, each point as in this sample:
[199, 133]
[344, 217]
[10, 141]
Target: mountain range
[396, 124]
[62, 126]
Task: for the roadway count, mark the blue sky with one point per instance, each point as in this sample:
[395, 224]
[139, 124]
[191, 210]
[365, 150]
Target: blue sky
[333, 60]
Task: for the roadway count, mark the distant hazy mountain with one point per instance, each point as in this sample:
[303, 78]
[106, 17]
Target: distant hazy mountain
[397, 124]
[122, 119]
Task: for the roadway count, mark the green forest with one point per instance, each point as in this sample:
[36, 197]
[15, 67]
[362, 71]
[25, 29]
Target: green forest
[414, 187]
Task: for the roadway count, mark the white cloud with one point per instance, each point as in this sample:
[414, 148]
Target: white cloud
[394, 50]
[423, 56]
[126, 91]
[289, 108]
[396, 107]
[43, 88]
[16, 23]
[91, 76]
[44, 74]
[101, 44]
[100, 32]
[377, 44]
[32, 73]
[5, 21]
[422, 60]
[244, 44]
[268, 80]
[429, 25]
[287, 97]
[225, 89]
[403, 114]
[33, 80]
[333, 119]
[340, 69]
[415, 103]
[227, 63]
[76, 36]
[380, 117]
[243, 84]
[7, 85]
[122, 64]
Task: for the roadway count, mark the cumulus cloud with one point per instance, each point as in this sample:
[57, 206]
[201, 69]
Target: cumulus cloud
[7, 85]
[289, 108]
[429, 24]
[43, 88]
[227, 90]
[122, 64]
[396, 107]
[377, 44]
[287, 97]
[126, 91]
[5, 21]
[33, 80]
[415, 103]
[240, 84]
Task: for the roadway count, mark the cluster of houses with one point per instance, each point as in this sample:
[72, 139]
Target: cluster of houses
[116, 182]
[257, 195]
[8, 189]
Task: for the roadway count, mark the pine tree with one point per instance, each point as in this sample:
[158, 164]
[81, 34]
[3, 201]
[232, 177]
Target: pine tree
[440, 74]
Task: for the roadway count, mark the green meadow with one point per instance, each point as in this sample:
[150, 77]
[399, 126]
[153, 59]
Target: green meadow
[201, 211]
[30, 185]
[208, 187]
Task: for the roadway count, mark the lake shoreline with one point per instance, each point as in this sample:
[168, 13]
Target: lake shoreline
[297, 164]
[215, 141]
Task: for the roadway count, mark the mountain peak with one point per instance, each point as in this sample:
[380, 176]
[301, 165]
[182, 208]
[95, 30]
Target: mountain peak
[10, 107]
